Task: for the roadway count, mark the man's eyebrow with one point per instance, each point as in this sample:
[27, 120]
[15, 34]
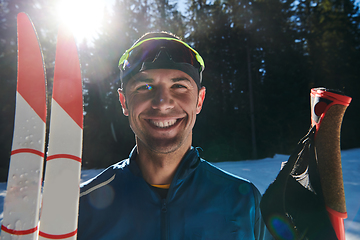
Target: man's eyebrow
[178, 79]
[144, 79]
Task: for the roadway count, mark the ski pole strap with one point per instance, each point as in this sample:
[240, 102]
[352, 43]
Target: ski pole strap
[293, 205]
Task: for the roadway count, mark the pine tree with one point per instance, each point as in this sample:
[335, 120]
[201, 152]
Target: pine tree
[219, 36]
[166, 17]
[331, 33]
[282, 84]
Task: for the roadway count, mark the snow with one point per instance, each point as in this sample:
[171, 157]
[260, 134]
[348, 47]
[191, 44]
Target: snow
[263, 171]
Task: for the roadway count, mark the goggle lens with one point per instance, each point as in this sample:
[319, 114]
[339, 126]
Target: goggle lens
[147, 50]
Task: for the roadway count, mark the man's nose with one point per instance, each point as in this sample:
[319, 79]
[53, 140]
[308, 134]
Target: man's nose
[162, 99]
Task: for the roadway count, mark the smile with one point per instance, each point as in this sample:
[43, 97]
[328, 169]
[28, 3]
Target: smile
[163, 123]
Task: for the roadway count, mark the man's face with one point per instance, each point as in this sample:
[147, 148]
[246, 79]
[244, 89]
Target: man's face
[162, 105]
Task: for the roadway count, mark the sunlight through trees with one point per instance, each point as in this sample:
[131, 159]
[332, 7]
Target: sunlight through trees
[287, 47]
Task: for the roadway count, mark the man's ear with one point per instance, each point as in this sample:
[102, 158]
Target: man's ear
[201, 99]
[123, 102]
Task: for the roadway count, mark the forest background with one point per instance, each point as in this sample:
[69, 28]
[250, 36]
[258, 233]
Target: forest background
[262, 58]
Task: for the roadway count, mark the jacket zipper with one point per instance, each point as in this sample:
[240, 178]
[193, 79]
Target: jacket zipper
[164, 230]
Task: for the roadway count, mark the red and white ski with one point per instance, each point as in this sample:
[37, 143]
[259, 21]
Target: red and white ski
[63, 163]
[59, 209]
[22, 201]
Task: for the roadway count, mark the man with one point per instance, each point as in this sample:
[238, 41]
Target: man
[165, 190]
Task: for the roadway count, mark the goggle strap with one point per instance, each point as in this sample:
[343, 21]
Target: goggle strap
[197, 55]
[123, 58]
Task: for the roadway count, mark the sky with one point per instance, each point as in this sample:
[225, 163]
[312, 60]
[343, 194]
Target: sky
[86, 22]
[85, 16]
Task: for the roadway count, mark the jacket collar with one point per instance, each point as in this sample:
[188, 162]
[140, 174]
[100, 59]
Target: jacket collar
[187, 165]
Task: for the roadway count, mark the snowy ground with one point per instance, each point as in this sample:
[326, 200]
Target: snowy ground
[262, 172]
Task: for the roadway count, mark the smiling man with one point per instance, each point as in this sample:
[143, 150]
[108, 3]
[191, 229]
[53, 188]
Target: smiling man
[161, 105]
[165, 190]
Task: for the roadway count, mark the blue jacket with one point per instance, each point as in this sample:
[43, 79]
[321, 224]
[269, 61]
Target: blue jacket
[203, 202]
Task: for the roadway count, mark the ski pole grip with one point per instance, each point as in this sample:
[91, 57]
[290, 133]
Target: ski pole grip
[328, 109]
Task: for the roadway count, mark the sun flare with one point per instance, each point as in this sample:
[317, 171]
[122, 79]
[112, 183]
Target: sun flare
[83, 17]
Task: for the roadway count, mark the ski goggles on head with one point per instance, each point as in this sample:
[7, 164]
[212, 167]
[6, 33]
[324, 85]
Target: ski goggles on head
[161, 53]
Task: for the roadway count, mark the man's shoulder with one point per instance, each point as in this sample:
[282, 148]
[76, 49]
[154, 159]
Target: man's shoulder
[216, 171]
[222, 178]
[104, 178]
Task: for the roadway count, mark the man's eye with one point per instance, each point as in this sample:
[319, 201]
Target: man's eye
[179, 86]
[145, 87]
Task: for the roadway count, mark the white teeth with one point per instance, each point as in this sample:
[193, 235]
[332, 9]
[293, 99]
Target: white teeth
[163, 124]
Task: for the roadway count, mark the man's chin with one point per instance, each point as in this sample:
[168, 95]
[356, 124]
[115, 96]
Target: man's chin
[164, 149]
[163, 146]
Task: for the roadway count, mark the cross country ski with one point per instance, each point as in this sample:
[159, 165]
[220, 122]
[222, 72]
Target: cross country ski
[59, 199]
[63, 163]
[22, 201]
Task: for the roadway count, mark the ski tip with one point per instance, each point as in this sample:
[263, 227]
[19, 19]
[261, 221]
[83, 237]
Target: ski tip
[22, 15]
[24, 20]
[31, 71]
[67, 91]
